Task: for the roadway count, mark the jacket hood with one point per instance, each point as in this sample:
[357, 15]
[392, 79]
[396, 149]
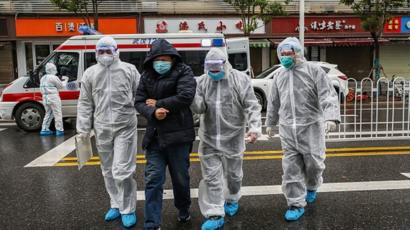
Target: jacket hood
[158, 48]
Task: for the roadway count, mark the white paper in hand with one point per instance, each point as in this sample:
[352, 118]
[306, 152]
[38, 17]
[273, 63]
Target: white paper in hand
[84, 150]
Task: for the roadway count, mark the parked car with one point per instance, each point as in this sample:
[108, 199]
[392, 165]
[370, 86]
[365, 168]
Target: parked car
[337, 78]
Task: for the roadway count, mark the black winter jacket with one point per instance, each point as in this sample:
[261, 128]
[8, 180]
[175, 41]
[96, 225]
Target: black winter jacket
[173, 91]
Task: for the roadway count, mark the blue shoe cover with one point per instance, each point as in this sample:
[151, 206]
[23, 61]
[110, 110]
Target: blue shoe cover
[213, 224]
[311, 196]
[294, 213]
[129, 220]
[231, 208]
[46, 133]
[112, 214]
[59, 133]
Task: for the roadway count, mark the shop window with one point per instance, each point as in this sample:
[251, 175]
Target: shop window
[239, 61]
[29, 56]
[3, 27]
[42, 51]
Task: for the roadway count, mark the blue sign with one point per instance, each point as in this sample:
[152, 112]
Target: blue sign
[405, 24]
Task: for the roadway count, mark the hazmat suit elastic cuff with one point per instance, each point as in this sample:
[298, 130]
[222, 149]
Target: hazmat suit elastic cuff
[336, 121]
[332, 118]
[161, 104]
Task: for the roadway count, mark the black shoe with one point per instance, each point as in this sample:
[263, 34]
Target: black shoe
[184, 216]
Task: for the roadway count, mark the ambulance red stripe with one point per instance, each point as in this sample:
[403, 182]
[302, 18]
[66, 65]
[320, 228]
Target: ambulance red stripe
[36, 96]
[127, 46]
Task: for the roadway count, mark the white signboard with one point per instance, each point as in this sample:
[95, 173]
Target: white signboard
[198, 25]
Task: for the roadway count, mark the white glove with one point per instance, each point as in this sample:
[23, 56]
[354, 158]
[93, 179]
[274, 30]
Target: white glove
[330, 126]
[270, 132]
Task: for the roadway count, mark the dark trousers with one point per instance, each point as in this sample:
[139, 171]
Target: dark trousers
[176, 157]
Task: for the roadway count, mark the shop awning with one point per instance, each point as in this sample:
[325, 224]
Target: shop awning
[259, 43]
[356, 42]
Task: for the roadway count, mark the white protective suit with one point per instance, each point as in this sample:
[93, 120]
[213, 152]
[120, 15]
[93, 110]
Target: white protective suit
[301, 99]
[50, 85]
[225, 107]
[106, 104]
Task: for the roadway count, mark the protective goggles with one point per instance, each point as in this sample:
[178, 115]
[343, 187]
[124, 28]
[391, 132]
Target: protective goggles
[214, 65]
[286, 50]
[106, 50]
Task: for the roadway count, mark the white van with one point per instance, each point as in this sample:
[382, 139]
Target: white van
[22, 101]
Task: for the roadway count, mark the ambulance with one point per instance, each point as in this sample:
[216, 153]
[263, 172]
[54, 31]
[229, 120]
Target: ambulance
[21, 100]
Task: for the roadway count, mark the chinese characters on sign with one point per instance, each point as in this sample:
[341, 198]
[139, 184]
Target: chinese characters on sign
[183, 26]
[239, 25]
[226, 25]
[202, 27]
[329, 25]
[221, 27]
[70, 26]
[162, 27]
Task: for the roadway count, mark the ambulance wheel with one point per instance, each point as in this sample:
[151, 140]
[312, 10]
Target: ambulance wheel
[29, 116]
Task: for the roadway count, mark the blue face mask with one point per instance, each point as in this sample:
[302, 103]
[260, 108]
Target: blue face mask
[287, 61]
[216, 76]
[162, 67]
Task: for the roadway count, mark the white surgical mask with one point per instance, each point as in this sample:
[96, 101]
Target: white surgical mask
[105, 59]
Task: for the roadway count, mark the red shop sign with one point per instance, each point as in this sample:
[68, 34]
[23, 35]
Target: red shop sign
[318, 25]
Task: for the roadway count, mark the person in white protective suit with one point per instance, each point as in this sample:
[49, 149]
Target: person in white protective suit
[306, 106]
[106, 104]
[50, 85]
[226, 101]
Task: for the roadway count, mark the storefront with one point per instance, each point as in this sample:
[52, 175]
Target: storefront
[7, 48]
[335, 39]
[38, 37]
[395, 56]
[230, 26]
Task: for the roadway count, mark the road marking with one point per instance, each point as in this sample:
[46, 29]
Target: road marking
[274, 155]
[406, 174]
[2, 129]
[8, 124]
[325, 188]
[53, 156]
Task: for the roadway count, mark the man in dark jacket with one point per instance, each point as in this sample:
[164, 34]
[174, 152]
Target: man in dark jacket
[165, 93]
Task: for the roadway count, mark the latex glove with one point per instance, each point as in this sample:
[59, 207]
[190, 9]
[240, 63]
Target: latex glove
[270, 132]
[330, 126]
[251, 137]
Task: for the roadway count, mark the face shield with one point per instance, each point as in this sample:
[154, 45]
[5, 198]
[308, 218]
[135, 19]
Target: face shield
[215, 69]
[214, 65]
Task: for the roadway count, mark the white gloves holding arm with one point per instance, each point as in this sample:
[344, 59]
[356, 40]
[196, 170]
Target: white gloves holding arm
[330, 126]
